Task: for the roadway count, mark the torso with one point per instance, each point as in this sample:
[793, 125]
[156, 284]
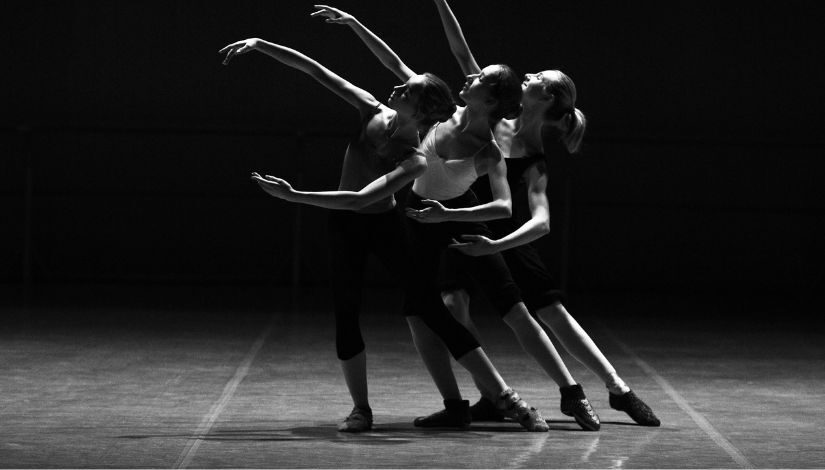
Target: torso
[455, 159]
[520, 155]
[373, 153]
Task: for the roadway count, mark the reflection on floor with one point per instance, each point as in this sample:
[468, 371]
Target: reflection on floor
[123, 377]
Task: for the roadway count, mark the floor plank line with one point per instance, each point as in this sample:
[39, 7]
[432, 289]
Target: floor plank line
[680, 401]
[208, 421]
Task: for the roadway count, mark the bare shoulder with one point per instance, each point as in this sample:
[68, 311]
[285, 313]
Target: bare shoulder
[489, 158]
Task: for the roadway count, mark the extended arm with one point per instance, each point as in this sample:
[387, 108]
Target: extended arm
[458, 45]
[387, 56]
[357, 97]
[381, 188]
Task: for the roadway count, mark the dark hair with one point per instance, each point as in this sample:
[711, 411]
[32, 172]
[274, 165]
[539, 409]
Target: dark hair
[435, 102]
[506, 88]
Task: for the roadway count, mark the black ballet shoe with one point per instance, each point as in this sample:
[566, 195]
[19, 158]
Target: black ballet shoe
[485, 410]
[635, 408]
[456, 414]
[575, 404]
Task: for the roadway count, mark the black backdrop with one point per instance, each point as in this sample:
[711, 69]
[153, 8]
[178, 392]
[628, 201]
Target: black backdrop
[126, 145]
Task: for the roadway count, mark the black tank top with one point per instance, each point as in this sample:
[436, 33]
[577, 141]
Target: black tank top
[516, 169]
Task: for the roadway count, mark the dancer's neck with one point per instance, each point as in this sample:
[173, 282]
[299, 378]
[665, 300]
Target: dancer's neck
[474, 121]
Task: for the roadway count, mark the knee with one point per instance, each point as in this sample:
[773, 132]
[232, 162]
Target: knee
[458, 303]
[552, 313]
[519, 319]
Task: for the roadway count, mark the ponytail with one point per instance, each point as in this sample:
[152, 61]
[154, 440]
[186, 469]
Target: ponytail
[563, 114]
[576, 125]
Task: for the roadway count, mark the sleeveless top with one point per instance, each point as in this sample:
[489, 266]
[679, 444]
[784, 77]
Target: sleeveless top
[444, 179]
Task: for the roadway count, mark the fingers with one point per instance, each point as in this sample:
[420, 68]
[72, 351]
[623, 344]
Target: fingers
[324, 10]
[228, 57]
[473, 238]
[275, 179]
[226, 48]
[416, 215]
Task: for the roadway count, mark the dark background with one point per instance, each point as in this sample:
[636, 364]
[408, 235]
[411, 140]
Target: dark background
[126, 145]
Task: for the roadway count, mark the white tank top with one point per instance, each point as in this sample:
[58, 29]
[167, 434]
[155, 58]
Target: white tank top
[444, 179]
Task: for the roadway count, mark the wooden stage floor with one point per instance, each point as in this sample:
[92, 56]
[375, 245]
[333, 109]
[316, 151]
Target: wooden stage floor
[99, 380]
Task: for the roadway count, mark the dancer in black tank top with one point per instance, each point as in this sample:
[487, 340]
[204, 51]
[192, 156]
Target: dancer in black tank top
[550, 122]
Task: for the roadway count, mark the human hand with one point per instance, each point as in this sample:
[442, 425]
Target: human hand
[475, 245]
[435, 213]
[333, 15]
[240, 47]
[272, 185]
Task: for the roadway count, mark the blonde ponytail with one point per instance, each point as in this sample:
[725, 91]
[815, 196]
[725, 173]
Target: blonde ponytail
[576, 125]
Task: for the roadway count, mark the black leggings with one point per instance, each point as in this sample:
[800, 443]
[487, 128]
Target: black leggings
[429, 242]
[352, 237]
[539, 288]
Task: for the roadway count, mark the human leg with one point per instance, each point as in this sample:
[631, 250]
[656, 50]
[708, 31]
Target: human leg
[493, 276]
[347, 263]
[543, 296]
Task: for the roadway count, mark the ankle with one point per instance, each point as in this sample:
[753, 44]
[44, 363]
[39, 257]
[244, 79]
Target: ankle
[616, 385]
[572, 392]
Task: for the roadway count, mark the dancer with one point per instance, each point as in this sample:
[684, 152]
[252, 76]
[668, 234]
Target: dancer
[381, 160]
[458, 151]
[549, 106]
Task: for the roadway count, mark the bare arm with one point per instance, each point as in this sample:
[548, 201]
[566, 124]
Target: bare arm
[499, 208]
[357, 97]
[387, 56]
[458, 45]
[381, 188]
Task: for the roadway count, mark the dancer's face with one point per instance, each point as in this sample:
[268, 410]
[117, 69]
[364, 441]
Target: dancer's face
[477, 89]
[404, 98]
[535, 85]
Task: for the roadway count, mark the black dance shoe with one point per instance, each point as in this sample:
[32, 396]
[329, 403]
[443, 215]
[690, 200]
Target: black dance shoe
[456, 414]
[485, 410]
[635, 408]
[575, 404]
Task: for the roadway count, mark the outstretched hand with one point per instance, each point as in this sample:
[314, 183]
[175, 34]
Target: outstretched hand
[272, 185]
[475, 245]
[333, 15]
[433, 214]
[236, 48]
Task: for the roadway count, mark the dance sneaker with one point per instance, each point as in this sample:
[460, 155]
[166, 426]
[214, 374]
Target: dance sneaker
[359, 420]
[456, 414]
[635, 408]
[485, 410]
[512, 406]
[575, 404]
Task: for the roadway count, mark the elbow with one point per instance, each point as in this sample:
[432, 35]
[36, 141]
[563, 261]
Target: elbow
[354, 203]
[506, 209]
[543, 227]
[418, 168]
